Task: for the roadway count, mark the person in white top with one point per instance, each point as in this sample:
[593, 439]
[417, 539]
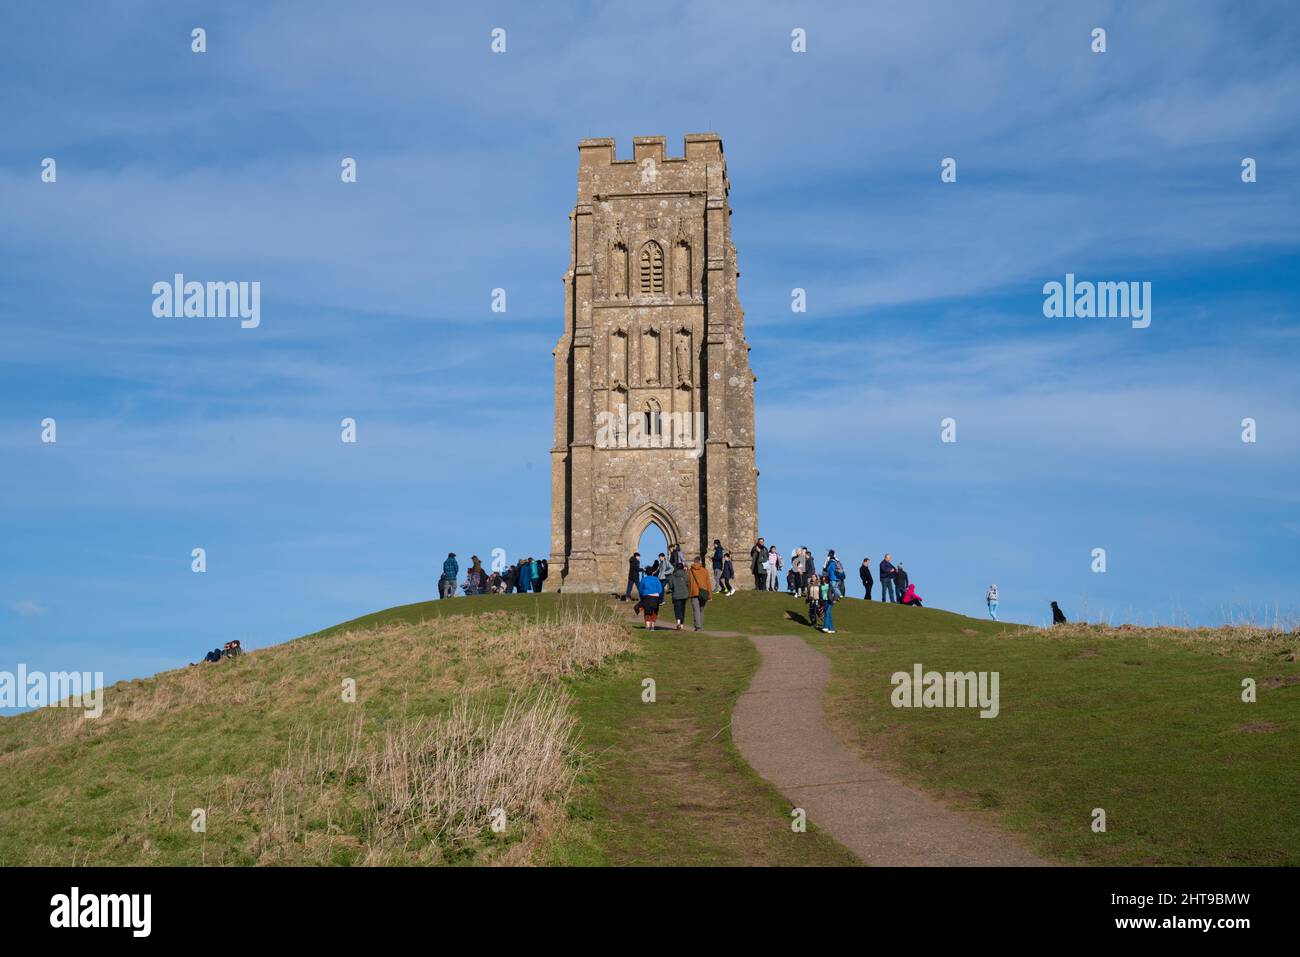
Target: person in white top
[992, 599]
[773, 566]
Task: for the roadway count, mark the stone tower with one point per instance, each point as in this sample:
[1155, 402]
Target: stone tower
[654, 397]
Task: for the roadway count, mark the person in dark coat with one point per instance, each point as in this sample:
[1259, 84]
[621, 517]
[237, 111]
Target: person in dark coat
[865, 574]
[758, 555]
[633, 576]
[1058, 616]
[901, 581]
[719, 554]
[887, 592]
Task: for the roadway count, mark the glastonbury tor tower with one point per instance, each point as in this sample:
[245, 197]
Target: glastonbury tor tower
[654, 396]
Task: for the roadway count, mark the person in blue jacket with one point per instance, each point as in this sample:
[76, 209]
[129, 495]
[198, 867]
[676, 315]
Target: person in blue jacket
[652, 592]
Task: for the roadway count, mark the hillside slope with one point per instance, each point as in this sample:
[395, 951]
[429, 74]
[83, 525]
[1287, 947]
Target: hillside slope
[527, 703]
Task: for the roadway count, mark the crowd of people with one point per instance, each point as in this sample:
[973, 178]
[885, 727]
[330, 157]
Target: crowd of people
[670, 577]
[525, 575]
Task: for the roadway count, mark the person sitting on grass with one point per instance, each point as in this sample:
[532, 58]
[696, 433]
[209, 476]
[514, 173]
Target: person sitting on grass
[652, 591]
[813, 595]
[910, 597]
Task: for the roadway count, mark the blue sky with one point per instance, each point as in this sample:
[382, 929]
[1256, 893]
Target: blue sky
[924, 299]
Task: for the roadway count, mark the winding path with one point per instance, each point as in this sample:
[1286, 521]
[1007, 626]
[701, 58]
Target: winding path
[780, 729]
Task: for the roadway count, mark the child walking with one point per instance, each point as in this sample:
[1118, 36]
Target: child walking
[813, 594]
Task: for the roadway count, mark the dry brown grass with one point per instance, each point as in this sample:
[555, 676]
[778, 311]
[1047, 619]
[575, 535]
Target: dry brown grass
[1244, 642]
[440, 779]
[454, 718]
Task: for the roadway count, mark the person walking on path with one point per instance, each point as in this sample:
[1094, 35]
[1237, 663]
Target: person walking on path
[887, 592]
[901, 581]
[447, 583]
[992, 599]
[867, 581]
[651, 591]
[633, 575]
[719, 555]
[679, 590]
[728, 573]
[829, 597]
[660, 570]
[773, 567]
[699, 590]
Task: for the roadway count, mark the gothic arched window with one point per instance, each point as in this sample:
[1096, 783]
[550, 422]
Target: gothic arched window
[652, 268]
[653, 420]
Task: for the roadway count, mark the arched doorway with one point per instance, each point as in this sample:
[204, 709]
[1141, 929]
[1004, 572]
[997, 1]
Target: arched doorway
[649, 523]
[654, 540]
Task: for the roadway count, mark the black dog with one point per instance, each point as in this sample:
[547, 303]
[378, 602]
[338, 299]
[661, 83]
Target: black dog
[1058, 616]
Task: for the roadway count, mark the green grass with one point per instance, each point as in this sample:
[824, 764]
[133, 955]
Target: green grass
[120, 789]
[666, 785]
[660, 784]
[532, 605]
[1149, 727]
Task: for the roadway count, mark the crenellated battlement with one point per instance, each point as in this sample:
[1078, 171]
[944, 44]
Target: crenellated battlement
[601, 151]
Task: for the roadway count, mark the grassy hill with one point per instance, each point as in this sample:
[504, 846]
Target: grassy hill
[532, 706]
[1147, 723]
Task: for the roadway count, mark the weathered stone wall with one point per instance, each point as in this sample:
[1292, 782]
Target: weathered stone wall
[654, 333]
